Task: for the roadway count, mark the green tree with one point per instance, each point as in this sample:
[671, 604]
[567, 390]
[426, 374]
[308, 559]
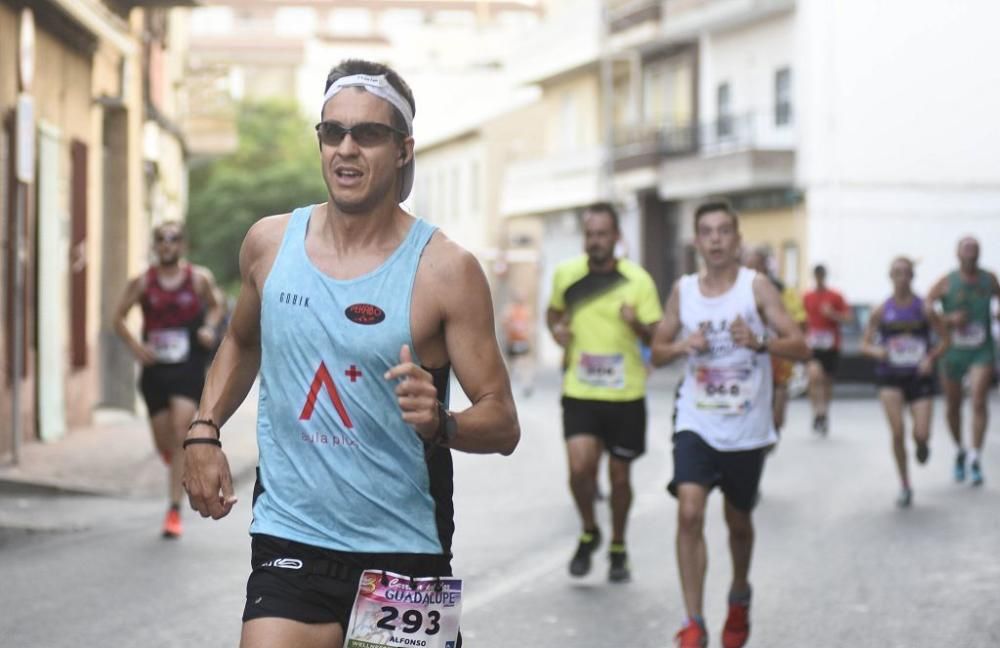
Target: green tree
[274, 169]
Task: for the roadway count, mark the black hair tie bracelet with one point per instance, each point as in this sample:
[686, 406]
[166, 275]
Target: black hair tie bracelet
[195, 440]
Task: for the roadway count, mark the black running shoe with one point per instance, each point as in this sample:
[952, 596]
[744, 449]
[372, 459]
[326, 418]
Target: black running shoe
[923, 452]
[589, 541]
[619, 571]
[821, 425]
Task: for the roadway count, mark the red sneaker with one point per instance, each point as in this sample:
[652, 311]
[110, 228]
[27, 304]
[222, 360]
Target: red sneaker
[692, 635]
[737, 629]
[172, 527]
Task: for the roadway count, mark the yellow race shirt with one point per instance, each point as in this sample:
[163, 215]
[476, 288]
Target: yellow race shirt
[603, 359]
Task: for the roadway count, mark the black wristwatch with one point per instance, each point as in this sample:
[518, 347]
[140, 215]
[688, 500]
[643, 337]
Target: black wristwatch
[447, 426]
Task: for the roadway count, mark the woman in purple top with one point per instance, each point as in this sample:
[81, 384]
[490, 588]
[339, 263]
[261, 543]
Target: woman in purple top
[898, 335]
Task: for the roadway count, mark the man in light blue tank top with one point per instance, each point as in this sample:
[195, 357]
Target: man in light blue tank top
[342, 314]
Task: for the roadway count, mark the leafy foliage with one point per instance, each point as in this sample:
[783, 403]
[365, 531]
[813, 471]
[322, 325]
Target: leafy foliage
[274, 169]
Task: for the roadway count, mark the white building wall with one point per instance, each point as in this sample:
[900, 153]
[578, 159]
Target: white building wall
[449, 191]
[748, 58]
[900, 150]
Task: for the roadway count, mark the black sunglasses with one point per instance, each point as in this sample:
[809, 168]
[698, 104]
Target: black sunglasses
[167, 238]
[333, 133]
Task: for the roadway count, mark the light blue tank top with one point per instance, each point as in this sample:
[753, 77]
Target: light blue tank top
[339, 468]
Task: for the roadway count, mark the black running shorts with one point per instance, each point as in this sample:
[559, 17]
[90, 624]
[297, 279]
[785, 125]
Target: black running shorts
[914, 387]
[158, 383]
[622, 426]
[736, 473]
[291, 580]
[829, 359]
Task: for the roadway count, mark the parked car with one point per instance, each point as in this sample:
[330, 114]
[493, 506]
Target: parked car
[855, 367]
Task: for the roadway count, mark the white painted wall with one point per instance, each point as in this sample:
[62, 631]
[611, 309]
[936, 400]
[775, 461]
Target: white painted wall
[900, 149]
[748, 58]
[450, 191]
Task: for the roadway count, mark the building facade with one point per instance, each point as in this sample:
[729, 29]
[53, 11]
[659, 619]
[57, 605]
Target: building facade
[816, 120]
[109, 161]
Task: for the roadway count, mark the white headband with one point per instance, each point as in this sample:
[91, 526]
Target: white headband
[378, 86]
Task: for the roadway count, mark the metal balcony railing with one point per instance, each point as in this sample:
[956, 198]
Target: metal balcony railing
[726, 134]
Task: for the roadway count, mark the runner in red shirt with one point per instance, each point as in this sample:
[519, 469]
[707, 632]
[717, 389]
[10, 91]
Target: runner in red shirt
[826, 310]
[181, 312]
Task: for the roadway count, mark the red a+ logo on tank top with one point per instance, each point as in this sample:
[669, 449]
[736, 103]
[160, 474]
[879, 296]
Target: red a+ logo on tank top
[323, 379]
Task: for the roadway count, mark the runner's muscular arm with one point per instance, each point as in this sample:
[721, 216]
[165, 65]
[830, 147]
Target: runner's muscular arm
[789, 343]
[209, 293]
[133, 293]
[941, 330]
[933, 306]
[844, 314]
[996, 291]
[238, 359]
[207, 478]
[868, 346]
[663, 345]
[491, 424]
[558, 325]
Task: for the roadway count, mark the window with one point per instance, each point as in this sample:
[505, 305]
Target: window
[295, 21]
[212, 21]
[790, 264]
[350, 22]
[783, 97]
[724, 111]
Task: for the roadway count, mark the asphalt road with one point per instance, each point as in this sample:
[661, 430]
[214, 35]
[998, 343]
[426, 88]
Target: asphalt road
[837, 565]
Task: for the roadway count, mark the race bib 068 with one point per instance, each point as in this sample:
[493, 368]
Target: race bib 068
[724, 389]
[393, 610]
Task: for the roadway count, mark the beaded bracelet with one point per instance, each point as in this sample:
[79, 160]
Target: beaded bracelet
[208, 422]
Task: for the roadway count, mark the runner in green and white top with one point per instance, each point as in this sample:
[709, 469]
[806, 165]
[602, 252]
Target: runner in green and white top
[964, 297]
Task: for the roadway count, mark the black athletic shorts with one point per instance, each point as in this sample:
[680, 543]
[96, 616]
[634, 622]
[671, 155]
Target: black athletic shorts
[160, 382]
[291, 580]
[829, 359]
[621, 425]
[915, 387]
[736, 473]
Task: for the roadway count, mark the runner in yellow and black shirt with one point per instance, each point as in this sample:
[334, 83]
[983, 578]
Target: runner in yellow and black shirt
[601, 309]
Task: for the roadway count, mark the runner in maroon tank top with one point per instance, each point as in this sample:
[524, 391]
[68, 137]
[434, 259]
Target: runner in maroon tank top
[181, 312]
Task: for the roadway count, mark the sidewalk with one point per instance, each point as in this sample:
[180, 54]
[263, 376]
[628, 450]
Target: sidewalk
[115, 457]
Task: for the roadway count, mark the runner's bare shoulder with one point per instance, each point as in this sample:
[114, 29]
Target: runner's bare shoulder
[261, 244]
[446, 261]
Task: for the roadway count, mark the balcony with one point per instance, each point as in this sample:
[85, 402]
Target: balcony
[728, 155]
[567, 41]
[646, 145]
[632, 23]
[685, 19]
[552, 183]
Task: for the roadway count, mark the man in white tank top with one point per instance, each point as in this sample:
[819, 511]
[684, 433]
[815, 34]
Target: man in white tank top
[718, 320]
